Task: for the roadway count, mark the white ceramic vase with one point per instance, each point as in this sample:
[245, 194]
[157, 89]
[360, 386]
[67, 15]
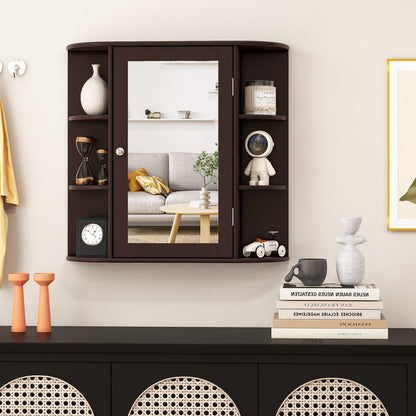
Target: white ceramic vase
[94, 94]
[350, 261]
[204, 198]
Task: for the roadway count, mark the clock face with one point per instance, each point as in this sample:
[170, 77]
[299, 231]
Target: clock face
[92, 234]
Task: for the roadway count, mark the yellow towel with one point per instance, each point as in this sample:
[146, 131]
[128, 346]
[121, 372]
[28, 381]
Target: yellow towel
[7, 186]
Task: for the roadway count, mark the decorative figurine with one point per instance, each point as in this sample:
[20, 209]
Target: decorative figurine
[259, 144]
[102, 176]
[184, 114]
[44, 312]
[350, 261]
[84, 174]
[264, 247]
[18, 318]
[152, 114]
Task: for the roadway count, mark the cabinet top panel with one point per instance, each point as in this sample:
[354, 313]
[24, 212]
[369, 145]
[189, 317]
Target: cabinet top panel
[181, 340]
[102, 46]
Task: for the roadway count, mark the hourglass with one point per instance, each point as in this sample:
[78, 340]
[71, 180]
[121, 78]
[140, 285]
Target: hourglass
[84, 174]
[102, 176]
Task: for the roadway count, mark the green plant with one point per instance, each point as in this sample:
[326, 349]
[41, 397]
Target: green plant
[206, 165]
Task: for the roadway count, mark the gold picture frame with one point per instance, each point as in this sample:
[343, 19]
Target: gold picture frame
[401, 144]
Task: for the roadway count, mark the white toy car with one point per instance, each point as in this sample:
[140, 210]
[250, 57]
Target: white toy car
[264, 248]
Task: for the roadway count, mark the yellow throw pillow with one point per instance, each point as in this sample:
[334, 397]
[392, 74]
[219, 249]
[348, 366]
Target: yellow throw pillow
[153, 185]
[133, 185]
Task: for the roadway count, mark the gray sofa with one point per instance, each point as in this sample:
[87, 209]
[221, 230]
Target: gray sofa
[176, 170]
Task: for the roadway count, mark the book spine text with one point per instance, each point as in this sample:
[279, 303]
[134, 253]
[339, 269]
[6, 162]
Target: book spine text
[329, 313]
[328, 294]
[329, 333]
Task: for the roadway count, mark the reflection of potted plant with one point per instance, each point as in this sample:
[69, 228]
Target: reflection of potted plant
[206, 165]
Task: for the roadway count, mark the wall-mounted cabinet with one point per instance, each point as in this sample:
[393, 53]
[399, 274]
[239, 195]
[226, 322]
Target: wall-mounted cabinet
[208, 79]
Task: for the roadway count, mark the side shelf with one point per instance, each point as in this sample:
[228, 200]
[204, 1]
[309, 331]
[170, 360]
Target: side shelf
[87, 200]
[262, 188]
[85, 117]
[260, 209]
[88, 187]
[261, 117]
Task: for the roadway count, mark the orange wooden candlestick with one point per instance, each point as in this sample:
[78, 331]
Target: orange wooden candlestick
[44, 312]
[18, 319]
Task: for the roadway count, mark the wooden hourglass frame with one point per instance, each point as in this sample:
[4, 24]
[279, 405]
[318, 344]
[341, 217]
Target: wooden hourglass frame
[102, 176]
[84, 174]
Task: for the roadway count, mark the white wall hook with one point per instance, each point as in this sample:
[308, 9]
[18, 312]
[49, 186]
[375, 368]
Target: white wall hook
[16, 67]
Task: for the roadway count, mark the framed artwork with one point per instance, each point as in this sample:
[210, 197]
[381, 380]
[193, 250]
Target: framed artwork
[401, 131]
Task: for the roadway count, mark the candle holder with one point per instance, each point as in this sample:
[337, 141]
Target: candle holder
[84, 174]
[44, 312]
[102, 176]
[18, 318]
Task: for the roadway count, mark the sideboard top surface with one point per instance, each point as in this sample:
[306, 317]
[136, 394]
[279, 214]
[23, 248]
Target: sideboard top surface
[97, 46]
[204, 340]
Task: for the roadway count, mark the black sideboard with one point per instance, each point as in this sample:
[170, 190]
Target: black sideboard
[111, 367]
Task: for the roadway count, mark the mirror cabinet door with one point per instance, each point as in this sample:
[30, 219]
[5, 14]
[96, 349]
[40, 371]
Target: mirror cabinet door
[173, 152]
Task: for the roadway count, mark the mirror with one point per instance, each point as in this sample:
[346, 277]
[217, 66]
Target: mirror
[172, 120]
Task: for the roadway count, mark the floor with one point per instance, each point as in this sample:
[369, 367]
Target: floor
[156, 235]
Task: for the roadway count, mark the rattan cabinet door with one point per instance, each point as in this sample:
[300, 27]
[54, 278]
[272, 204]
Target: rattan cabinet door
[48, 388]
[333, 389]
[184, 389]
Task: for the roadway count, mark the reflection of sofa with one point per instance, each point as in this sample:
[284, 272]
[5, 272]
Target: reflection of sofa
[176, 170]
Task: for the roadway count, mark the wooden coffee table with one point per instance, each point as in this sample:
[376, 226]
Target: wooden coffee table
[185, 209]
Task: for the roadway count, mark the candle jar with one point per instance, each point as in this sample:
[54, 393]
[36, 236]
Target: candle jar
[260, 97]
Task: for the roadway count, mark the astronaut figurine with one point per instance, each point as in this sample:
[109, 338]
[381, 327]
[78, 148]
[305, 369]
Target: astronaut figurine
[259, 144]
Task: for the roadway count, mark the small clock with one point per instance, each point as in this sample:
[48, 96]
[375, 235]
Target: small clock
[91, 237]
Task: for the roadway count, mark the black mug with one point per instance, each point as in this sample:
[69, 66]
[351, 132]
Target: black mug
[311, 272]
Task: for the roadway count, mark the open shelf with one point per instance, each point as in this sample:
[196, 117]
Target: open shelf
[262, 187]
[89, 259]
[261, 117]
[254, 259]
[84, 117]
[152, 120]
[88, 187]
[190, 62]
[265, 259]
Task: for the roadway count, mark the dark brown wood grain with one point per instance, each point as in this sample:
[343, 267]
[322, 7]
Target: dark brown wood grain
[256, 211]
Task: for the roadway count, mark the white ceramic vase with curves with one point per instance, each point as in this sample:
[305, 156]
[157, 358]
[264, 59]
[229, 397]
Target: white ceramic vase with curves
[94, 93]
[204, 198]
[350, 261]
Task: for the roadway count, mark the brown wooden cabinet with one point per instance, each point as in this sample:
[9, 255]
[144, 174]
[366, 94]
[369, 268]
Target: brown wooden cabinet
[245, 212]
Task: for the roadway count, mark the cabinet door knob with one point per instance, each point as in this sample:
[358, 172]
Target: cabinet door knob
[119, 151]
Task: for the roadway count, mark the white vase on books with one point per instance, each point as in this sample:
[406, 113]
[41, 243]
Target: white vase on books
[350, 261]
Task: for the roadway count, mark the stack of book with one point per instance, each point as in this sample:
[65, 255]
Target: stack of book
[329, 311]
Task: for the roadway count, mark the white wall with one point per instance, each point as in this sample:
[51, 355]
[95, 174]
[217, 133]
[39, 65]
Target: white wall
[337, 154]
